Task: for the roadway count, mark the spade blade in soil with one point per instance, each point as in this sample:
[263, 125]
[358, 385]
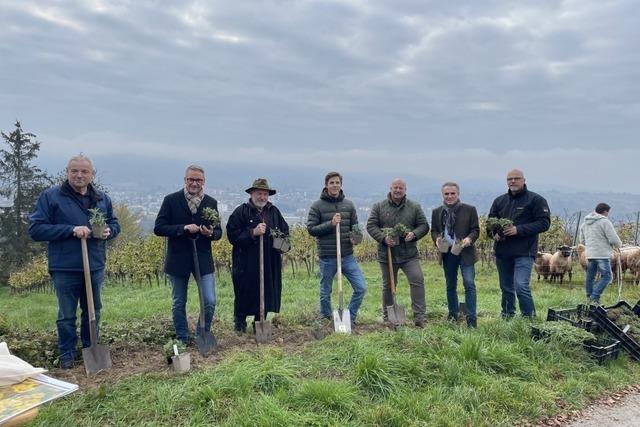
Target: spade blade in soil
[342, 321]
[263, 331]
[206, 342]
[96, 358]
[396, 315]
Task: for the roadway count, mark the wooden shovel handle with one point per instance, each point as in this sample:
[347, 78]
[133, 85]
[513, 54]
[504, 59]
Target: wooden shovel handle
[392, 281]
[262, 278]
[87, 279]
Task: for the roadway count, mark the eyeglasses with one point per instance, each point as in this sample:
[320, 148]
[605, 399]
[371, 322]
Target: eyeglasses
[194, 180]
[514, 178]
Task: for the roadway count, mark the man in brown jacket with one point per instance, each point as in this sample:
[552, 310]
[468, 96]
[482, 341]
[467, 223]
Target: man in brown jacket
[455, 228]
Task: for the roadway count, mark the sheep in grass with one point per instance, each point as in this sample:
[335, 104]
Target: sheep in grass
[633, 264]
[582, 257]
[560, 264]
[543, 260]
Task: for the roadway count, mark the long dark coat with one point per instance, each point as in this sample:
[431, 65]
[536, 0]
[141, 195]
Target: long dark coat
[246, 259]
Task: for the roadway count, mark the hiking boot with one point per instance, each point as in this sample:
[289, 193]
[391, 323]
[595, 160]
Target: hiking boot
[420, 323]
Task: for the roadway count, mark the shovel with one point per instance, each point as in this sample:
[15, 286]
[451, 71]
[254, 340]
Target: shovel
[96, 357]
[395, 312]
[263, 327]
[341, 317]
[204, 339]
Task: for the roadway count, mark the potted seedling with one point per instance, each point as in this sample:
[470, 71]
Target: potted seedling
[177, 356]
[457, 247]
[497, 225]
[356, 234]
[281, 242]
[400, 230]
[210, 217]
[390, 233]
[98, 222]
[442, 244]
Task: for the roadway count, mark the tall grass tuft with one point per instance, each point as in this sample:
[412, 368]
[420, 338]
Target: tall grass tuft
[375, 375]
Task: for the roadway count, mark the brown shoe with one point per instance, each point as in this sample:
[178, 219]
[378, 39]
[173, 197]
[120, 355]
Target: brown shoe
[420, 323]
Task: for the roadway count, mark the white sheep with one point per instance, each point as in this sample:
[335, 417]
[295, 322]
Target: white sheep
[543, 260]
[560, 263]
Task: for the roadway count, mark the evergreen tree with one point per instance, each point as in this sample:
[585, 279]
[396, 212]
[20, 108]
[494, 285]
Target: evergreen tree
[20, 182]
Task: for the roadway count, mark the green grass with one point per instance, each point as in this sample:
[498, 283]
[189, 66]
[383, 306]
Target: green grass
[444, 374]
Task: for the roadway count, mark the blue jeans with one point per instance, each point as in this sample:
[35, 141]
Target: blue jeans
[179, 303]
[602, 265]
[450, 264]
[351, 270]
[70, 289]
[515, 274]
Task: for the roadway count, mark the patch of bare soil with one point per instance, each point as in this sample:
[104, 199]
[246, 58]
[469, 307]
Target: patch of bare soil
[130, 358]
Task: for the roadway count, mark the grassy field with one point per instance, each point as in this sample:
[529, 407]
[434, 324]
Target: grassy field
[444, 374]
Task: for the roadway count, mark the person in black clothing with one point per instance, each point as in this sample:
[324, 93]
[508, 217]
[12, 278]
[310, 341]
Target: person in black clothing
[516, 244]
[257, 217]
[180, 219]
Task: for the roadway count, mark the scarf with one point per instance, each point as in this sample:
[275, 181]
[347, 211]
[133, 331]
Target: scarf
[449, 217]
[194, 200]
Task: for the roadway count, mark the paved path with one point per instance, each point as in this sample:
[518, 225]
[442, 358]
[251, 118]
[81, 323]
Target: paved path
[622, 413]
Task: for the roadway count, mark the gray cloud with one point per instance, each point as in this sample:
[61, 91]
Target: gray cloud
[545, 85]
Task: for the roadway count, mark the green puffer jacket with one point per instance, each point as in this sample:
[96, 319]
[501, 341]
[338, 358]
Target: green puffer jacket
[387, 214]
[319, 224]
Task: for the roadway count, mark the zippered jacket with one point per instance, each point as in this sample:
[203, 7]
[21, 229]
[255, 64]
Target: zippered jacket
[530, 214]
[598, 236]
[387, 213]
[57, 212]
[319, 224]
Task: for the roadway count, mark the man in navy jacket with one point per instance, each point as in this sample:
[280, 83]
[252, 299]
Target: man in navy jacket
[180, 219]
[61, 218]
[516, 244]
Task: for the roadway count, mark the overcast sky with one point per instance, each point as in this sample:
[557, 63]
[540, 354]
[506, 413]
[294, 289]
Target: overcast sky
[445, 89]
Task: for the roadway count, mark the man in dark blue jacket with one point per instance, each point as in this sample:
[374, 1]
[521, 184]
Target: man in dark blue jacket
[61, 218]
[516, 244]
[181, 220]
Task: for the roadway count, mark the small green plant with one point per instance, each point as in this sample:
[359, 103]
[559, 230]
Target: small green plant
[565, 333]
[356, 230]
[167, 348]
[622, 317]
[211, 216]
[97, 218]
[400, 229]
[276, 233]
[496, 225]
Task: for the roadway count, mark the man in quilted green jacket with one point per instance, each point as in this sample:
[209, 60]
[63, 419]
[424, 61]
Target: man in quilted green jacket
[398, 209]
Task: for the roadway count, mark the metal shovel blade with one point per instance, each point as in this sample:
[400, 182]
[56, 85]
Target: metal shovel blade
[263, 331]
[396, 315]
[206, 342]
[342, 321]
[96, 358]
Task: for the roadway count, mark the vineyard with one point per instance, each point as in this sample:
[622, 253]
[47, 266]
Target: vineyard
[140, 259]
